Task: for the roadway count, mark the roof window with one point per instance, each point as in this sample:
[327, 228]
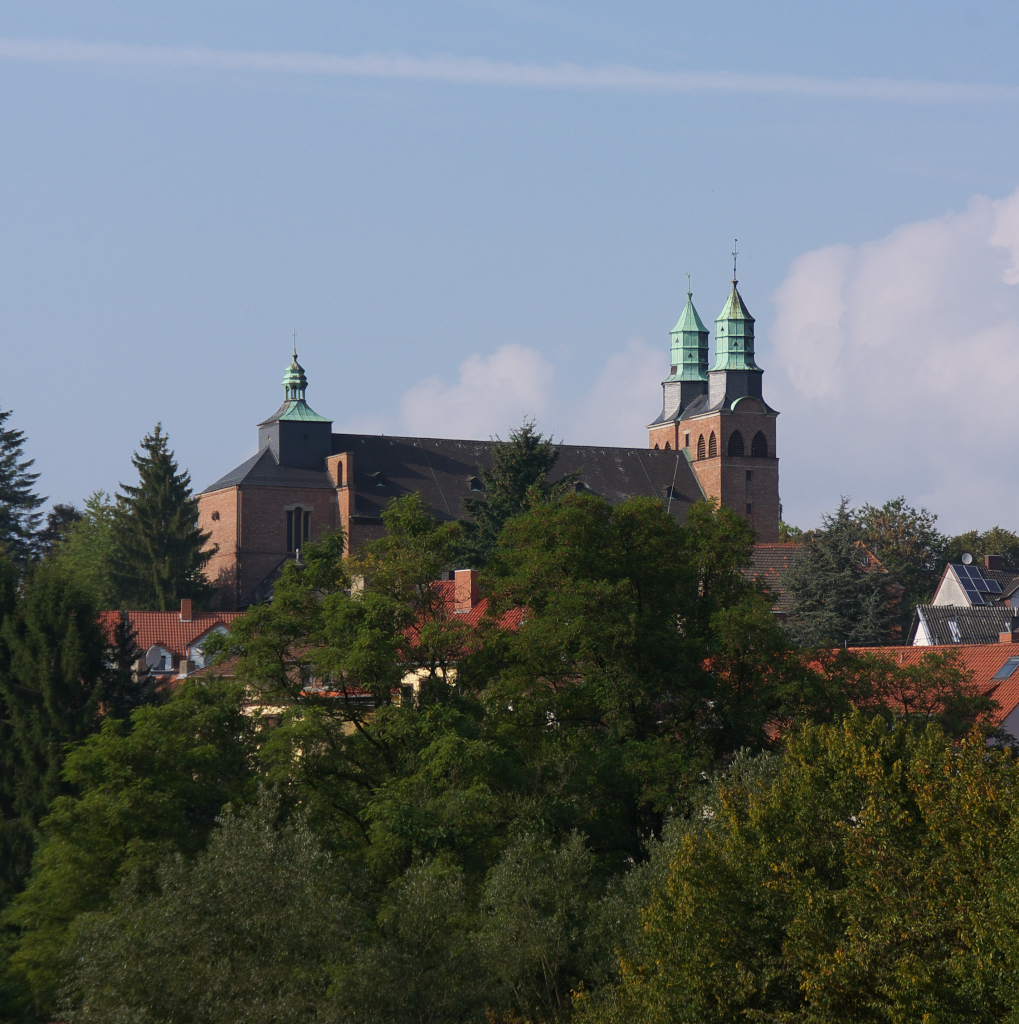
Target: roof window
[1006, 670]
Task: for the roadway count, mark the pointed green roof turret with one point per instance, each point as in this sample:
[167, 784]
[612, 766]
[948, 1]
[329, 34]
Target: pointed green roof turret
[734, 335]
[294, 406]
[689, 345]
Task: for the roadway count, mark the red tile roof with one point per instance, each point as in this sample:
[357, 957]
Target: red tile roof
[771, 562]
[166, 628]
[983, 660]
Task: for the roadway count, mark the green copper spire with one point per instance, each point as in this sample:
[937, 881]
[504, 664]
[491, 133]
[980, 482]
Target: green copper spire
[689, 345]
[734, 335]
[294, 407]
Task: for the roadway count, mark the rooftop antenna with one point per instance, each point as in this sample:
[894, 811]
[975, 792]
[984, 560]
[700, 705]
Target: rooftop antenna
[735, 253]
[689, 294]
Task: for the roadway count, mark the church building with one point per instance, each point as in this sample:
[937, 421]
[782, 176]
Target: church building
[715, 437]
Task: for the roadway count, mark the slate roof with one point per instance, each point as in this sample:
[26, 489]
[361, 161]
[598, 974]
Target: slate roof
[263, 470]
[771, 562]
[960, 624]
[441, 470]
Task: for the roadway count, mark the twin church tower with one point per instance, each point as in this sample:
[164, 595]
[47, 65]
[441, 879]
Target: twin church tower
[718, 418]
[715, 438]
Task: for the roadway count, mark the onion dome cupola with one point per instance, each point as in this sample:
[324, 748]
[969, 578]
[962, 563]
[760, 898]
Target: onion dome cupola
[297, 435]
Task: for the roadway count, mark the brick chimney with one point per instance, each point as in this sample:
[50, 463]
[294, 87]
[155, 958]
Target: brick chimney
[992, 561]
[465, 589]
[185, 609]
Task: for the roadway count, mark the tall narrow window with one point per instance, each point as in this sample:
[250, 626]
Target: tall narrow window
[667, 446]
[750, 510]
[759, 446]
[687, 445]
[700, 447]
[712, 445]
[736, 443]
[298, 528]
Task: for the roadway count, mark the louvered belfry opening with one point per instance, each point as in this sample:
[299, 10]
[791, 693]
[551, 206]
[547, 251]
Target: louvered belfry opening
[712, 446]
[701, 450]
[759, 446]
[736, 443]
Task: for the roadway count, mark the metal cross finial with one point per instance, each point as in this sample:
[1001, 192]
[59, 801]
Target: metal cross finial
[688, 292]
[735, 253]
[295, 343]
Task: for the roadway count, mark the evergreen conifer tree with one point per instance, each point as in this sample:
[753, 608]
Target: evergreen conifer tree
[518, 475]
[53, 686]
[18, 501]
[159, 558]
[838, 597]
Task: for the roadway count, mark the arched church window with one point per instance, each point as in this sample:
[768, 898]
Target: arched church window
[298, 528]
[712, 446]
[736, 443]
[759, 446]
[668, 447]
[656, 447]
[700, 447]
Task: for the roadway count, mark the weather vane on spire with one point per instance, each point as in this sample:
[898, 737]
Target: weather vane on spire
[295, 343]
[688, 292]
[735, 253]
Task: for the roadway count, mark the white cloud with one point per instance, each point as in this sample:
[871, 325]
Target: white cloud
[492, 393]
[497, 392]
[899, 369]
[479, 71]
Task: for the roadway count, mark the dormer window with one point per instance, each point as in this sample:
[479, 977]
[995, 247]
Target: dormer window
[475, 484]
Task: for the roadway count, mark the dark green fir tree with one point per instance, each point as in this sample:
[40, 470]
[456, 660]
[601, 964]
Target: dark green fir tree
[520, 467]
[159, 558]
[19, 515]
[839, 596]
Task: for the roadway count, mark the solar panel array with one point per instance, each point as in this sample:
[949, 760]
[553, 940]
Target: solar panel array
[975, 583]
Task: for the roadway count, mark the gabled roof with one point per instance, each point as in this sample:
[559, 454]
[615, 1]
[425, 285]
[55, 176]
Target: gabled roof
[959, 624]
[771, 562]
[984, 661]
[166, 629]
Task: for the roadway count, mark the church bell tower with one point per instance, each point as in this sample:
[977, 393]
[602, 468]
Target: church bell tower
[717, 419]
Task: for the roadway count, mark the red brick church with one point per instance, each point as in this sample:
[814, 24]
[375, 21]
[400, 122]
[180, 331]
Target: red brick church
[715, 437]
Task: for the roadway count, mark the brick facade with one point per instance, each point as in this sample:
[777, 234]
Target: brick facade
[747, 484]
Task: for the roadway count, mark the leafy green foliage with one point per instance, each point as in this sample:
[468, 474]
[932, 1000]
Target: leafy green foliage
[19, 518]
[517, 479]
[85, 551]
[864, 876]
[838, 596]
[158, 556]
[909, 545]
[142, 792]
[995, 541]
[248, 933]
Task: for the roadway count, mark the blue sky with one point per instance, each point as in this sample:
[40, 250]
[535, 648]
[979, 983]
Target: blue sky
[463, 231]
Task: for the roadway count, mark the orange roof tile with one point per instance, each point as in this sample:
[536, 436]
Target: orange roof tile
[166, 628]
[983, 660]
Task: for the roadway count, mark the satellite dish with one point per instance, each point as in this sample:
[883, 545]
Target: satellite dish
[154, 656]
[967, 559]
